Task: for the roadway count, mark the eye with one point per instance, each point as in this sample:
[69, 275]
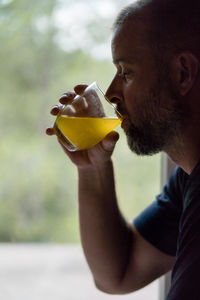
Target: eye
[125, 75]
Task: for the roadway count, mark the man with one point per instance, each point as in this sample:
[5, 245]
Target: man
[156, 51]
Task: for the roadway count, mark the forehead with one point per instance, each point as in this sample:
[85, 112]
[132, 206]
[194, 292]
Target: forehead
[130, 42]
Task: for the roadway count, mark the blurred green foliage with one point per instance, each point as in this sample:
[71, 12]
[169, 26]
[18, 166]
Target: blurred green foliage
[38, 191]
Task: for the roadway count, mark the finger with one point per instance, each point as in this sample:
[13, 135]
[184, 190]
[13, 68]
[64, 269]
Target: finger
[50, 131]
[67, 98]
[80, 105]
[69, 110]
[79, 89]
[56, 109]
[109, 142]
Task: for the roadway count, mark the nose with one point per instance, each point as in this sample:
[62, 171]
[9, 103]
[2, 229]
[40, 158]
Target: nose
[114, 92]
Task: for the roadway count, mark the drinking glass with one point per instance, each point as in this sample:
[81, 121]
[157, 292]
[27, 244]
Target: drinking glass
[86, 120]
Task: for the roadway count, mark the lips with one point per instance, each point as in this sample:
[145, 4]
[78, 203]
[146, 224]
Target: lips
[122, 114]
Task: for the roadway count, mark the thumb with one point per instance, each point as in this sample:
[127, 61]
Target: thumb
[110, 140]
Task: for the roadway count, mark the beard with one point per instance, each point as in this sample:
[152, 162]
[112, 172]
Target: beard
[159, 125]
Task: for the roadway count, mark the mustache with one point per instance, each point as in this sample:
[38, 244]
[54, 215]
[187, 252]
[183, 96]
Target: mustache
[123, 112]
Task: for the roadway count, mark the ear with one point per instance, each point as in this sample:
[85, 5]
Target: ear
[185, 68]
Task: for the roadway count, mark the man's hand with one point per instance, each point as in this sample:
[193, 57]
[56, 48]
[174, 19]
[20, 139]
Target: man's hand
[99, 153]
[120, 260]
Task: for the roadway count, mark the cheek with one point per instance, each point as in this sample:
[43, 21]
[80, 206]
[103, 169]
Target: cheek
[136, 92]
[136, 104]
[131, 98]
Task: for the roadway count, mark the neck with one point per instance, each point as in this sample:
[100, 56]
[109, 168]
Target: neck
[187, 164]
[185, 150]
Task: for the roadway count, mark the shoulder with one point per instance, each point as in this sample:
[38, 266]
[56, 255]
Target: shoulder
[159, 222]
[178, 179]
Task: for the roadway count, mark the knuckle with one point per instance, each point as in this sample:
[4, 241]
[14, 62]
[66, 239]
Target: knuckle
[56, 108]
[67, 97]
[69, 110]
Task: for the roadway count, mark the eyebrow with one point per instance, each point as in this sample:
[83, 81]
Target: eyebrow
[122, 60]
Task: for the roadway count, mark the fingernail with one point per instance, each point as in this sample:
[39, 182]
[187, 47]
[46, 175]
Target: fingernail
[55, 110]
[49, 131]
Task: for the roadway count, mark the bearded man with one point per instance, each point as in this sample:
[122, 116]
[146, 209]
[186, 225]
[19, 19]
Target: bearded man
[156, 51]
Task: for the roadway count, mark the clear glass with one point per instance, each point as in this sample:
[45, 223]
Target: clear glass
[87, 120]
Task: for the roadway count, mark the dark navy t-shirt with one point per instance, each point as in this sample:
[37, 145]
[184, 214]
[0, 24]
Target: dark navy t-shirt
[172, 224]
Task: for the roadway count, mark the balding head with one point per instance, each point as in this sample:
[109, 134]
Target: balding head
[171, 26]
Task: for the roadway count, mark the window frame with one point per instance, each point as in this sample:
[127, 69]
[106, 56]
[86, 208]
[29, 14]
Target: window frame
[167, 165]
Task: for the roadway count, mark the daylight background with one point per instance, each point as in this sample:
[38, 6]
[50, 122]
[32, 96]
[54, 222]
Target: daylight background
[46, 48]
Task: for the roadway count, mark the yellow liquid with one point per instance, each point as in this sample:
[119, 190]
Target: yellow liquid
[84, 133]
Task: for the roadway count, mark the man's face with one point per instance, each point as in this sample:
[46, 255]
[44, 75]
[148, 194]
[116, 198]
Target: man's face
[143, 93]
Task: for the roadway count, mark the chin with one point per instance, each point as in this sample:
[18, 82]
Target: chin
[142, 149]
[143, 142]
